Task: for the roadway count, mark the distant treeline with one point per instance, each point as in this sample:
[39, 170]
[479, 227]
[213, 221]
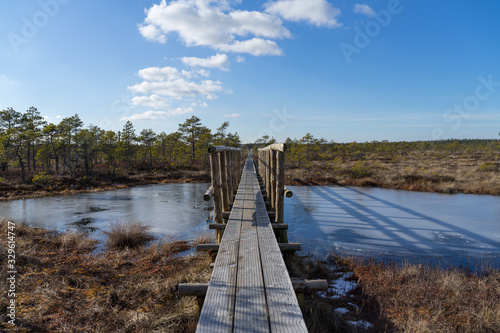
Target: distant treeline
[29, 146]
[308, 148]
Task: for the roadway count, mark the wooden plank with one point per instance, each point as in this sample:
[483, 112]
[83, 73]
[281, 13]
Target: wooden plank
[284, 311]
[250, 308]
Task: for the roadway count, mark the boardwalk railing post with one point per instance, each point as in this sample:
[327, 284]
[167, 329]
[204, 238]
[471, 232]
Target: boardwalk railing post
[229, 176]
[223, 180]
[216, 188]
[280, 198]
[272, 168]
[273, 179]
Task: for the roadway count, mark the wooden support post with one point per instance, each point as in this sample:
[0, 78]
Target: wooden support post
[273, 179]
[216, 187]
[229, 176]
[223, 180]
[280, 198]
[234, 171]
[268, 175]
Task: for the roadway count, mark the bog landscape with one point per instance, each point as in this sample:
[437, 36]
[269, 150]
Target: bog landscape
[225, 166]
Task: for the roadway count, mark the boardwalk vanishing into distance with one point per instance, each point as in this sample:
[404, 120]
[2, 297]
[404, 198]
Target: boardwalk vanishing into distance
[250, 289]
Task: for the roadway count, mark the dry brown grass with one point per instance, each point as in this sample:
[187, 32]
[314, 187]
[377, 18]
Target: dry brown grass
[122, 235]
[65, 286]
[319, 312]
[431, 171]
[418, 298]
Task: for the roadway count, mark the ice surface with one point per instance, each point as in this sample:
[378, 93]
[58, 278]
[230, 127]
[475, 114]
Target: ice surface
[451, 229]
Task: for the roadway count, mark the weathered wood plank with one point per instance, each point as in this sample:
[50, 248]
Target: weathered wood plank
[250, 308]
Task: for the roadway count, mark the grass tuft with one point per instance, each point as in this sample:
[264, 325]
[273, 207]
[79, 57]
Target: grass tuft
[127, 235]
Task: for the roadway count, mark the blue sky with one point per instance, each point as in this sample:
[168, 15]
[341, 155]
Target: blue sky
[342, 70]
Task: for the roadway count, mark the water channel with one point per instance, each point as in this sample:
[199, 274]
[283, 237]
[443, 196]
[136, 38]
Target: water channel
[452, 229]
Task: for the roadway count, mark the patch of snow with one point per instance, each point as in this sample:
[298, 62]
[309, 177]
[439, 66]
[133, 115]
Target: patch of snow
[339, 288]
[341, 311]
[353, 305]
[360, 323]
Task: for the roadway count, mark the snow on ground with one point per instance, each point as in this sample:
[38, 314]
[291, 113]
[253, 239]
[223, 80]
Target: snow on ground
[360, 324]
[341, 311]
[339, 288]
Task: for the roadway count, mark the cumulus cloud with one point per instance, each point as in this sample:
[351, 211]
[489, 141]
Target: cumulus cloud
[179, 88]
[316, 12]
[170, 82]
[216, 25]
[254, 46]
[364, 9]
[153, 101]
[152, 33]
[220, 61]
[232, 115]
[153, 115]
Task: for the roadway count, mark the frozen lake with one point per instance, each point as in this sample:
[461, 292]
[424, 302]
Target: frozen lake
[454, 229]
[169, 209]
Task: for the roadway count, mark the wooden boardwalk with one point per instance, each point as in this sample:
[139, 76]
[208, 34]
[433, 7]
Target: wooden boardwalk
[250, 289]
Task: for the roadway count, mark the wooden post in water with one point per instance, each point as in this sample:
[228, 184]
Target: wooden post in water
[217, 193]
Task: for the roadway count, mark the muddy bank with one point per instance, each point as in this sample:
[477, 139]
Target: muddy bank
[65, 185]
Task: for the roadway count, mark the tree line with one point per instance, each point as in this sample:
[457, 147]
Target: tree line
[31, 145]
[309, 148]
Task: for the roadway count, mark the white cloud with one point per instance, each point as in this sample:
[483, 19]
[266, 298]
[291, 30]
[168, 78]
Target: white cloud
[232, 115]
[203, 72]
[153, 101]
[316, 12]
[240, 59]
[153, 115]
[220, 61]
[152, 33]
[170, 82]
[214, 24]
[254, 46]
[364, 9]
[179, 88]
[162, 74]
